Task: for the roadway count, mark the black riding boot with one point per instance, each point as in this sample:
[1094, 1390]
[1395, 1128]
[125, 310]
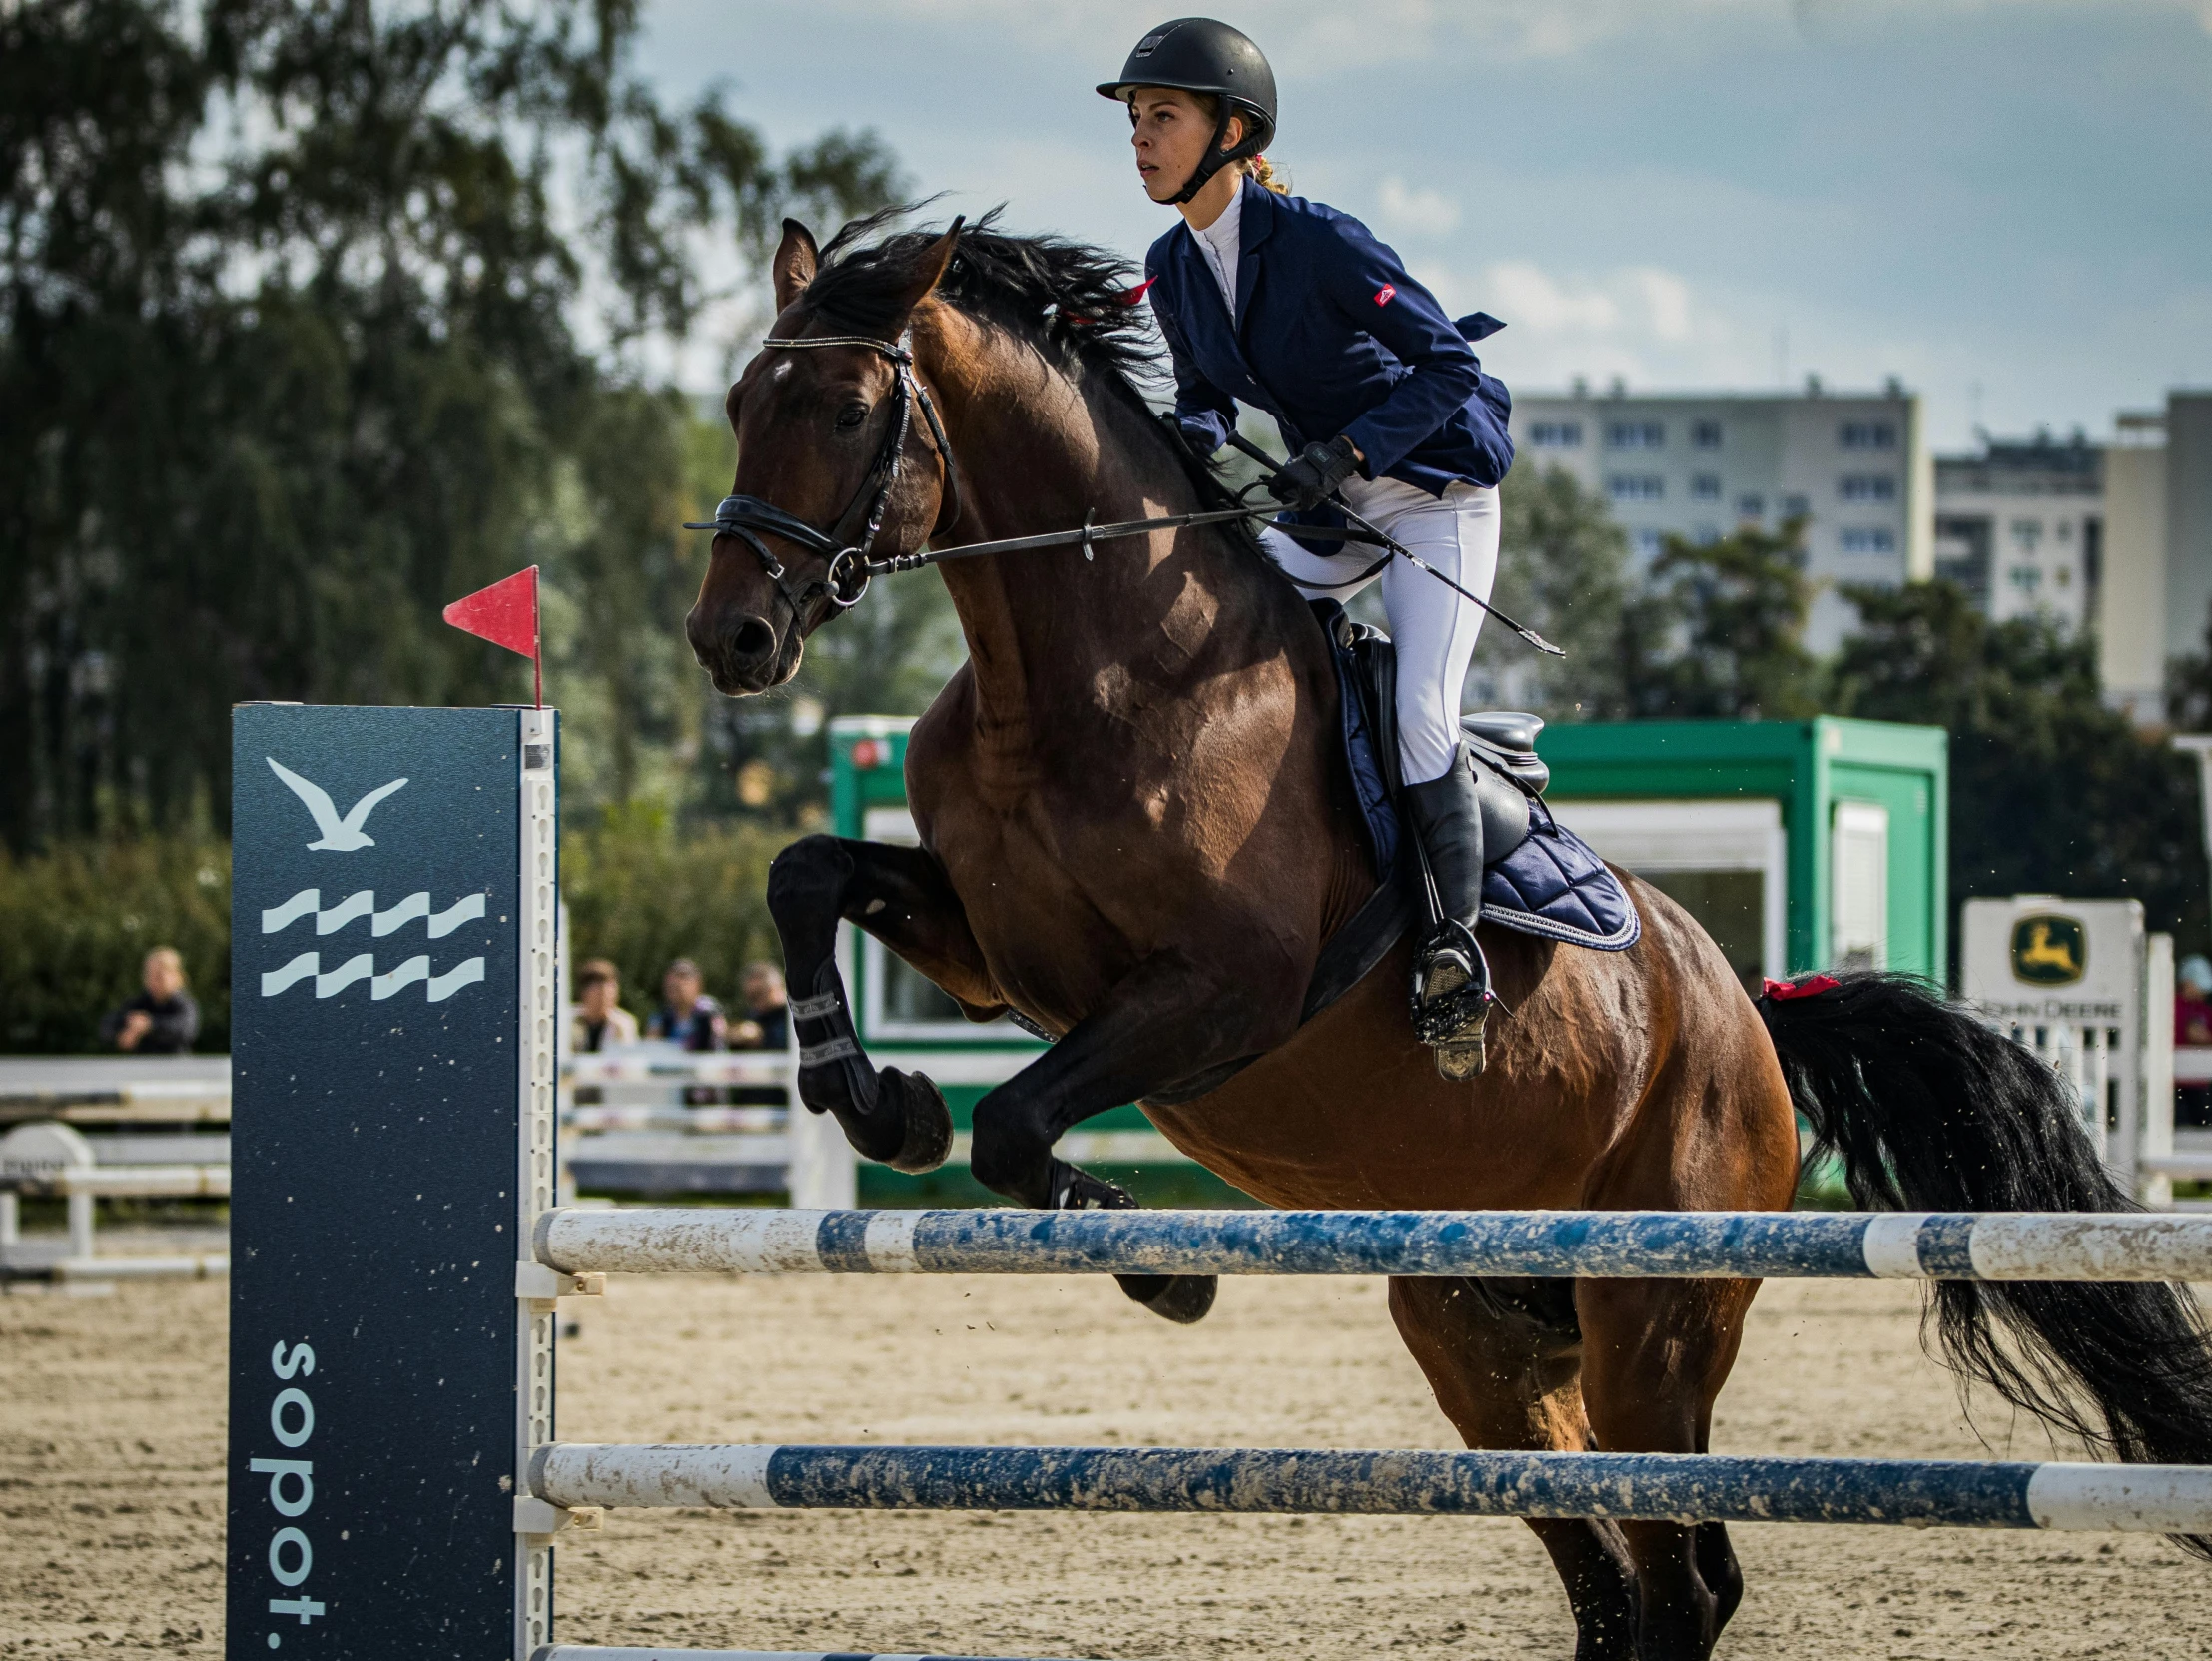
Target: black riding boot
[1451, 981]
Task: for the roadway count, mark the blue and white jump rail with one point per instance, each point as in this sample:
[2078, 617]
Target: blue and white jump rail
[1911, 1246]
[1628, 1488]
[396, 1482]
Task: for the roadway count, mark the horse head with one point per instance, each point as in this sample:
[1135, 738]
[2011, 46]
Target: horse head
[835, 467]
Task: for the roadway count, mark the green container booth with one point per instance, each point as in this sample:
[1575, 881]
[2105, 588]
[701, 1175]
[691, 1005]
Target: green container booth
[1798, 845]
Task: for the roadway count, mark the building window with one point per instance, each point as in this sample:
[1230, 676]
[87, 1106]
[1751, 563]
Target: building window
[1869, 540]
[2065, 532]
[1649, 543]
[1706, 535]
[1635, 435]
[1556, 434]
[2026, 578]
[1705, 434]
[1750, 507]
[1796, 507]
[1624, 487]
[1706, 487]
[1867, 435]
[2027, 534]
[1868, 486]
[2063, 576]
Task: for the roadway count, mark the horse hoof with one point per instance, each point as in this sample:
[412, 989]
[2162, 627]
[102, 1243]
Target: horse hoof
[927, 1135]
[1182, 1298]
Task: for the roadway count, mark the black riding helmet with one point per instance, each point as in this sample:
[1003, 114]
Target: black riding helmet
[1198, 54]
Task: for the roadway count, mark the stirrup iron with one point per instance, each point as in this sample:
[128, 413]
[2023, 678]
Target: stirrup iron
[1452, 999]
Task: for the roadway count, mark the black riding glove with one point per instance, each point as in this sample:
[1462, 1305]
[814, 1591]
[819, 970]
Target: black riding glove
[1314, 473]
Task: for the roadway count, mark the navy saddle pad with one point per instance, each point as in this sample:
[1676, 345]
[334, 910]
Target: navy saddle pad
[1550, 883]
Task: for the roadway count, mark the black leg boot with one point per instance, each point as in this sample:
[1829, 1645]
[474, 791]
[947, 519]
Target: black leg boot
[1451, 981]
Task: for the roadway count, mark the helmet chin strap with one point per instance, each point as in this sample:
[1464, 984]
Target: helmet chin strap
[1215, 157]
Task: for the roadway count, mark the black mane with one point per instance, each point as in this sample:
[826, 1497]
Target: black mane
[1073, 300]
[1076, 304]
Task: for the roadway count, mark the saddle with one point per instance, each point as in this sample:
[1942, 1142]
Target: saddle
[1508, 773]
[1539, 877]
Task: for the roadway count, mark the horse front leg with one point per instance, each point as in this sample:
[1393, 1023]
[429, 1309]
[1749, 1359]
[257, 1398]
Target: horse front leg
[900, 896]
[1163, 1025]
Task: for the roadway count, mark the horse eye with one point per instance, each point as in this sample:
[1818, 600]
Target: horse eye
[851, 416]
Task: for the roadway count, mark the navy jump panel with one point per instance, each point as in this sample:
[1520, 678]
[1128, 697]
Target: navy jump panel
[376, 1102]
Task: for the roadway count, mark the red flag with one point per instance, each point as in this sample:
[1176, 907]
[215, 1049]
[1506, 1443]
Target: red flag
[505, 614]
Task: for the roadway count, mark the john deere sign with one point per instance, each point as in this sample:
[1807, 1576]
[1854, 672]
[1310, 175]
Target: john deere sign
[2049, 949]
[2041, 961]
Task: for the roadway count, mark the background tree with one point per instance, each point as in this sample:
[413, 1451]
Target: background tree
[2051, 792]
[1720, 631]
[313, 318]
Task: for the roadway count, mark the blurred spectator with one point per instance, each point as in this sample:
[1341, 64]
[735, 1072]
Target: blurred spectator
[767, 1022]
[161, 1020]
[2193, 1027]
[687, 1016]
[600, 1017]
[2193, 1001]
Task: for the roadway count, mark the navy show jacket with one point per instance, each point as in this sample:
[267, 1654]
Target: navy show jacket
[1333, 336]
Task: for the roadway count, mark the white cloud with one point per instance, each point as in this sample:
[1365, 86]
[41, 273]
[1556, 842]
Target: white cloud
[1632, 304]
[1522, 292]
[1417, 209]
[1646, 324]
[1666, 299]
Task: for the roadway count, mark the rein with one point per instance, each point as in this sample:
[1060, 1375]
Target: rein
[742, 516]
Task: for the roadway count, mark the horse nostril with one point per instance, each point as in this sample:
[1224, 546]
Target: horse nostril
[752, 640]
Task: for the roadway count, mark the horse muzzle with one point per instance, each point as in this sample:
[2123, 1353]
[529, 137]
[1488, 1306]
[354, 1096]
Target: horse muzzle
[740, 650]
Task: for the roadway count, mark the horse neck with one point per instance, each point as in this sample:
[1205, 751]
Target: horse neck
[1038, 451]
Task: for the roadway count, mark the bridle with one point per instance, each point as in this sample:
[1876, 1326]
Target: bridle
[844, 579]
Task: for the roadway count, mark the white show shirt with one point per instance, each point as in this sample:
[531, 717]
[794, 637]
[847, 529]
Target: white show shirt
[1219, 242]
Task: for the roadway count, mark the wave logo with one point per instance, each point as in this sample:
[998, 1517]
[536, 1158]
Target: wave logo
[309, 903]
[328, 982]
[308, 966]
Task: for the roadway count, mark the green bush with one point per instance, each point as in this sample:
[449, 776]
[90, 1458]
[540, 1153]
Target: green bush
[644, 889]
[76, 923]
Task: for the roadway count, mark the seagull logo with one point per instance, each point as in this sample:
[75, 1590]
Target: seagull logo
[340, 836]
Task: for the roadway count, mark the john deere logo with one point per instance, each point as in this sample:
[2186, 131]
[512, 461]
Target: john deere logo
[2049, 949]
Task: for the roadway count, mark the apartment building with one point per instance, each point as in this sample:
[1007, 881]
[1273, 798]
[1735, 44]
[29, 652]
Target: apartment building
[1852, 465]
[2020, 528]
[2155, 601]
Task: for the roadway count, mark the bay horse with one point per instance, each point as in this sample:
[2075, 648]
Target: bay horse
[1138, 831]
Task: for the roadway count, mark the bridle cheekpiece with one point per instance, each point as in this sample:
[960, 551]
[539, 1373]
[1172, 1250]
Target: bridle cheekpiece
[844, 581]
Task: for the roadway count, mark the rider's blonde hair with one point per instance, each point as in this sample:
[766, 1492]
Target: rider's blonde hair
[1257, 167]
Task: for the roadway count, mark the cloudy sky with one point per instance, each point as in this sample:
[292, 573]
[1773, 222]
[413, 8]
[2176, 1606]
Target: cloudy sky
[2007, 203]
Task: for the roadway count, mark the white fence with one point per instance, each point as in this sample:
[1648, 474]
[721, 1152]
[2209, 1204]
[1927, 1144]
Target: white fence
[643, 1129]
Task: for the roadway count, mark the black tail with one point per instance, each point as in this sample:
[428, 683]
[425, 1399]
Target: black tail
[1932, 1110]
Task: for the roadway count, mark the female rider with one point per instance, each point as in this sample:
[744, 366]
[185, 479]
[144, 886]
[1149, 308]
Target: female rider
[1297, 310]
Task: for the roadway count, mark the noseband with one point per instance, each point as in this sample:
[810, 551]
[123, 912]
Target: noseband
[844, 581]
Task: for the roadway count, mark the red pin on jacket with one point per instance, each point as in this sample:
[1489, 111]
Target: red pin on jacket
[505, 614]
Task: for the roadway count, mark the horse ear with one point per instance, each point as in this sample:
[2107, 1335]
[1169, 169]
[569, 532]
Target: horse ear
[929, 270]
[795, 263]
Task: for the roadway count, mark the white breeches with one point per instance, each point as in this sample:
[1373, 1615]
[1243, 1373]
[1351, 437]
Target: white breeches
[1434, 628]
